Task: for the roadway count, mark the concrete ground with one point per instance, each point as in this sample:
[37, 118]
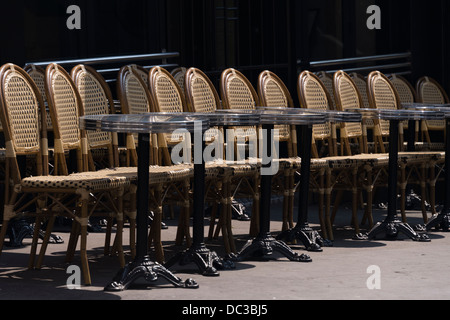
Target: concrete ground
[407, 270]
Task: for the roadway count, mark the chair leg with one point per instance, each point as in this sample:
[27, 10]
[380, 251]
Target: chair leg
[212, 222]
[37, 228]
[355, 202]
[73, 239]
[403, 184]
[83, 243]
[254, 222]
[328, 222]
[44, 245]
[423, 193]
[322, 222]
[106, 249]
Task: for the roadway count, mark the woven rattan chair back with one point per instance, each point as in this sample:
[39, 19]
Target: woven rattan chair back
[273, 93]
[96, 98]
[21, 109]
[166, 96]
[347, 97]
[327, 80]
[361, 84]
[134, 97]
[236, 91]
[38, 75]
[312, 94]
[382, 95]
[165, 92]
[201, 96]
[65, 109]
[406, 94]
[179, 75]
[430, 91]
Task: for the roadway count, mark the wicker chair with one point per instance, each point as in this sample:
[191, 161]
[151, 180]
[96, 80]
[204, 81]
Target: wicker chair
[172, 185]
[96, 98]
[68, 195]
[382, 94]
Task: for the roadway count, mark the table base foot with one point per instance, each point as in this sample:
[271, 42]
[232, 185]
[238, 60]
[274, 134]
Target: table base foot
[392, 229]
[266, 246]
[440, 221]
[310, 238]
[208, 262]
[150, 271]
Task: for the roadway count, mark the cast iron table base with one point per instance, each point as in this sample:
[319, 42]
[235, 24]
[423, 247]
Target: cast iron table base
[150, 271]
[208, 262]
[392, 227]
[263, 246]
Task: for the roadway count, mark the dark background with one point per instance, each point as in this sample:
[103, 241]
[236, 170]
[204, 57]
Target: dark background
[250, 35]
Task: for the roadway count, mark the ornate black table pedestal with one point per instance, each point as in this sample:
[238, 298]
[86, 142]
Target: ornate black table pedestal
[302, 232]
[142, 267]
[265, 244]
[208, 262]
[392, 227]
[442, 220]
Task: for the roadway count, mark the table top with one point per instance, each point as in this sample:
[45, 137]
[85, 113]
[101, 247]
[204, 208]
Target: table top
[444, 108]
[145, 123]
[399, 114]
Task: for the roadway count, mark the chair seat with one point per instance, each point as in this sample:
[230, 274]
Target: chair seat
[91, 181]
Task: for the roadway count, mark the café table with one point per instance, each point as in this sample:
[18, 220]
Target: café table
[392, 226]
[302, 231]
[144, 124]
[441, 220]
[208, 261]
[264, 244]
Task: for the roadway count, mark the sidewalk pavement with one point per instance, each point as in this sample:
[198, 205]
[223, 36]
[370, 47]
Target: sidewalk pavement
[350, 270]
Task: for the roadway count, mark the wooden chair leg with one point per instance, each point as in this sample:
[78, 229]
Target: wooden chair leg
[44, 245]
[37, 229]
[328, 222]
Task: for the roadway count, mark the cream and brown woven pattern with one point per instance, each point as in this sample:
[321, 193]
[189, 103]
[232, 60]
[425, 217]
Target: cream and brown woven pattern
[431, 93]
[348, 94]
[239, 96]
[361, 85]
[404, 92]
[39, 79]
[22, 114]
[66, 107]
[384, 98]
[135, 94]
[202, 95]
[327, 81]
[90, 181]
[178, 74]
[203, 101]
[167, 97]
[317, 100]
[94, 102]
[275, 97]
